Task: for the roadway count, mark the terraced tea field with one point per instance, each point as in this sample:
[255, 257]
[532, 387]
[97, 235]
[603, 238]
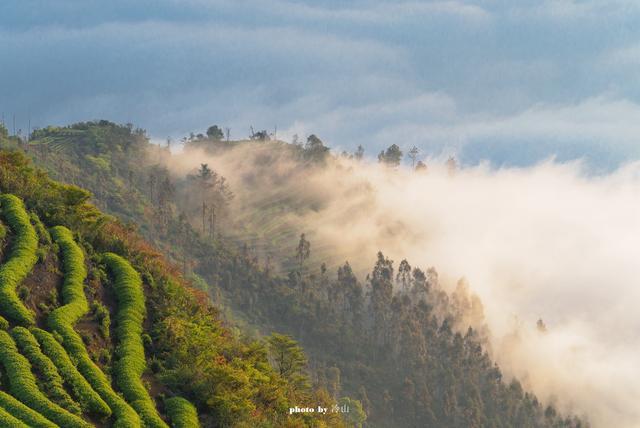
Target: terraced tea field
[53, 344]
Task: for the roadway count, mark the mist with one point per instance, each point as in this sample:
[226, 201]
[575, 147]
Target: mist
[549, 242]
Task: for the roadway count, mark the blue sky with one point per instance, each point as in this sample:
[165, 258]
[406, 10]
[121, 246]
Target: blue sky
[512, 82]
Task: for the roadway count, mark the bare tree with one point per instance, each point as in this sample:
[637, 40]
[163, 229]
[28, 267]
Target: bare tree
[413, 155]
[304, 250]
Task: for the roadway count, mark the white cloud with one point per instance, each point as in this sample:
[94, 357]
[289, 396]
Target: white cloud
[603, 123]
[367, 12]
[574, 9]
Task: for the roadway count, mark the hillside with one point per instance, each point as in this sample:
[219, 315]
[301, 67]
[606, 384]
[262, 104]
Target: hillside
[395, 341]
[98, 330]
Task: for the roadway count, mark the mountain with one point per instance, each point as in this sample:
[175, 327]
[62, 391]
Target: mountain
[392, 345]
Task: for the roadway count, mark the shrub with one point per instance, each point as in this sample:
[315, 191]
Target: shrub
[8, 421]
[43, 234]
[89, 399]
[4, 324]
[21, 259]
[62, 320]
[130, 363]
[46, 369]
[23, 293]
[182, 413]
[104, 357]
[24, 413]
[75, 302]
[23, 386]
[41, 254]
[101, 315]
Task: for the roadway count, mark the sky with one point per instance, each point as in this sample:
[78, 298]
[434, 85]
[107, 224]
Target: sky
[511, 83]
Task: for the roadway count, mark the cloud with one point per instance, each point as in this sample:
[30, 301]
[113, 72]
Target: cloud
[571, 10]
[155, 68]
[394, 12]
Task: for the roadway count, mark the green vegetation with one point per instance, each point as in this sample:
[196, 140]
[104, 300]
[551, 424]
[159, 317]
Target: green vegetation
[182, 413]
[8, 421]
[4, 324]
[52, 382]
[40, 228]
[102, 317]
[62, 320]
[75, 302]
[289, 359]
[21, 260]
[24, 413]
[89, 400]
[131, 362]
[23, 386]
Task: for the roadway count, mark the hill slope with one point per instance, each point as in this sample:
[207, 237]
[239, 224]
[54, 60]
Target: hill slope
[412, 354]
[97, 330]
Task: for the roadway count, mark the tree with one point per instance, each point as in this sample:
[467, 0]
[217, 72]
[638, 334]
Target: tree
[381, 296]
[333, 381]
[359, 154]
[425, 405]
[387, 401]
[391, 157]
[315, 149]
[421, 167]
[204, 174]
[212, 221]
[413, 154]
[404, 275]
[205, 179]
[364, 399]
[215, 133]
[355, 416]
[151, 182]
[452, 165]
[541, 326]
[215, 196]
[303, 251]
[288, 359]
[260, 135]
[166, 192]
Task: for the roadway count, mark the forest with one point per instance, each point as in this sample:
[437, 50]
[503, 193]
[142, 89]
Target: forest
[152, 300]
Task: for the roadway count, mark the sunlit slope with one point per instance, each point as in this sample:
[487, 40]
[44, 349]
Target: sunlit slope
[49, 378]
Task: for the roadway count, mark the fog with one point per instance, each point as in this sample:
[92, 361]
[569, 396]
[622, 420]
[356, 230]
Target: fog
[548, 241]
